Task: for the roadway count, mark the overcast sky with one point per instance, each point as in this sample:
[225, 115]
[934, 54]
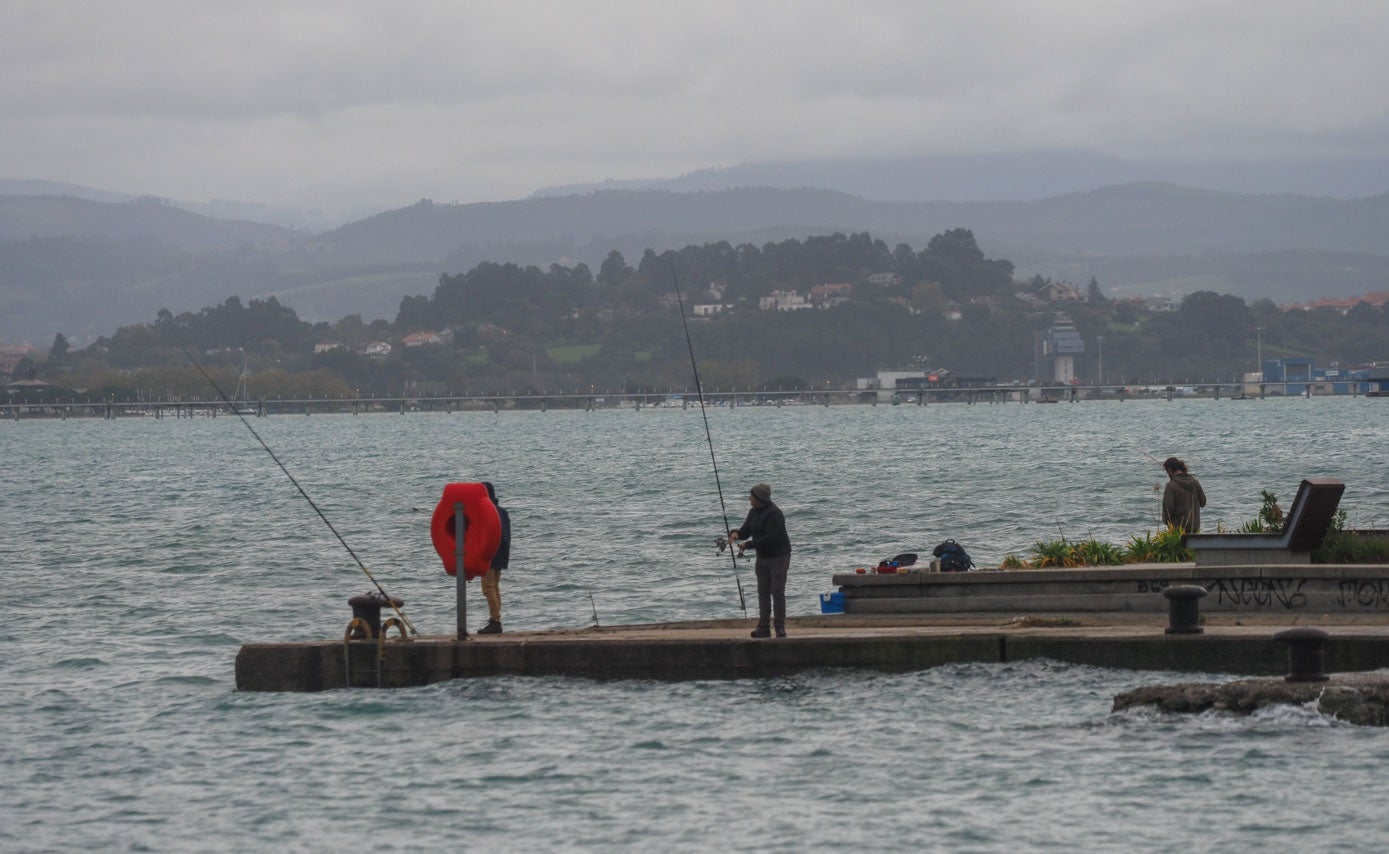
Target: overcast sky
[351, 105]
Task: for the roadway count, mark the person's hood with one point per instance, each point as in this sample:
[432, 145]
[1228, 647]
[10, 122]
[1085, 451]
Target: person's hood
[1186, 482]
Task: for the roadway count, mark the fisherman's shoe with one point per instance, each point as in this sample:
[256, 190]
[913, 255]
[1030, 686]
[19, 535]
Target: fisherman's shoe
[493, 627]
[761, 632]
[781, 633]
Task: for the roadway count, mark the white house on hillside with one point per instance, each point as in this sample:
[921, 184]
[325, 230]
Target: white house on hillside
[783, 301]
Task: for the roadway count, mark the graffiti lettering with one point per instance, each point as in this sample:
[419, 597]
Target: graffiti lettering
[1365, 594]
[1260, 592]
[1152, 586]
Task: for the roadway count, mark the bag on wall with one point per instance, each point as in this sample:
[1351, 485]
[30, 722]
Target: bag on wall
[953, 557]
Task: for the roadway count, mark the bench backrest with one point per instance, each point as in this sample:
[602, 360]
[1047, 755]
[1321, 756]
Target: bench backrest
[1311, 514]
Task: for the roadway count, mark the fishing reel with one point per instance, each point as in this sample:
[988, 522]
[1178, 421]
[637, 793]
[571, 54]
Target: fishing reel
[723, 544]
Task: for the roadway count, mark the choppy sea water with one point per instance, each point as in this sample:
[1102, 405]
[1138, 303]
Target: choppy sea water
[141, 554]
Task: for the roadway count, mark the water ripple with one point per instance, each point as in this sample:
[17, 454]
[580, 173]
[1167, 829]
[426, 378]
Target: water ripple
[148, 552]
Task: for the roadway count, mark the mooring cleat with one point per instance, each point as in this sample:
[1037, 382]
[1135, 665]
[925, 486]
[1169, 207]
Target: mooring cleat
[493, 627]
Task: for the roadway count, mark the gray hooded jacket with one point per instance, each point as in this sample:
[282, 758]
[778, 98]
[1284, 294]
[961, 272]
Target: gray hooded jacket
[1182, 501]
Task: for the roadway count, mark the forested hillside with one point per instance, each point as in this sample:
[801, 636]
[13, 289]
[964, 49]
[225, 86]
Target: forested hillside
[859, 306]
[81, 267]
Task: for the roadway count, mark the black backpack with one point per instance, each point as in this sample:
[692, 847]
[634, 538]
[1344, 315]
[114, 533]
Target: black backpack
[953, 557]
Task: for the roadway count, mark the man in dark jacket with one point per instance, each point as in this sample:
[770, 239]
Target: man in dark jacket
[492, 579]
[1183, 498]
[764, 531]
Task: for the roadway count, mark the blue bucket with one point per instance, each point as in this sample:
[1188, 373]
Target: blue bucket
[831, 603]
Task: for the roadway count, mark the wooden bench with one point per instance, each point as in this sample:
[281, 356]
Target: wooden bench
[1308, 520]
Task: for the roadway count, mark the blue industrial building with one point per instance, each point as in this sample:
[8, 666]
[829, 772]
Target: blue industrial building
[1338, 380]
[1377, 381]
[1296, 375]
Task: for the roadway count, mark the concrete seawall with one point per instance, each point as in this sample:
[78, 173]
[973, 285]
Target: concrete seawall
[724, 651]
[1291, 591]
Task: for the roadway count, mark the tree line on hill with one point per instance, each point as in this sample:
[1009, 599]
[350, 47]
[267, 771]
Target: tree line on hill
[85, 267]
[511, 328]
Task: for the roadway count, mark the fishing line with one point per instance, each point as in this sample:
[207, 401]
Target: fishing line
[1146, 454]
[1156, 486]
[315, 507]
[709, 436]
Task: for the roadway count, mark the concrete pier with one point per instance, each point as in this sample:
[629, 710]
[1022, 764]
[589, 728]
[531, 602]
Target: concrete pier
[723, 650]
[1114, 617]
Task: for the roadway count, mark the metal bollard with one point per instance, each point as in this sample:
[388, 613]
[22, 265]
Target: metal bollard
[1306, 653]
[367, 608]
[1184, 609]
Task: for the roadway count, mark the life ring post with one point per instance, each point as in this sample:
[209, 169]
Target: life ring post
[465, 507]
[460, 575]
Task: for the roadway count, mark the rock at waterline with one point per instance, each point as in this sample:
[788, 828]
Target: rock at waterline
[1357, 698]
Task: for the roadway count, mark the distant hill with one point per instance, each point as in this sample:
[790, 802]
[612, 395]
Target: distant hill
[1146, 218]
[1018, 176]
[84, 267]
[1139, 239]
[28, 217]
[19, 187]
[307, 220]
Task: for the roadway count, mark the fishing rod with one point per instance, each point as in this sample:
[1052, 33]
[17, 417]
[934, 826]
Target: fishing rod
[389, 601]
[1146, 454]
[708, 435]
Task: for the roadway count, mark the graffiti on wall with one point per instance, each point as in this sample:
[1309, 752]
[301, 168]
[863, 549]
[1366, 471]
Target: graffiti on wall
[1287, 593]
[1363, 594]
[1260, 592]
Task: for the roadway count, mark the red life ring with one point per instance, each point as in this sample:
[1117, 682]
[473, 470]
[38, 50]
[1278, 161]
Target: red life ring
[482, 524]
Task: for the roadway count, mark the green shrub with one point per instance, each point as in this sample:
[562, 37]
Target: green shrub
[1141, 549]
[1165, 546]
[1049, 553]
[1270, 518]
[1342, 546]
[1062, 553]
[1092, 552]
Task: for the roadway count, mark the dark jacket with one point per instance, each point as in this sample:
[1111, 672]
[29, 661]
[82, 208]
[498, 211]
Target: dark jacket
[1182, 501]
[503, 555]
[764, 530]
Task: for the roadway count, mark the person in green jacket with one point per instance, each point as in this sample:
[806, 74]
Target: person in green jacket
[1183, 498]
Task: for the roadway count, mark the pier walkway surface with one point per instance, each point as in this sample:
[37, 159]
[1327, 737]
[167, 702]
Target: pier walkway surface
[1230, 644]
[1109, 617]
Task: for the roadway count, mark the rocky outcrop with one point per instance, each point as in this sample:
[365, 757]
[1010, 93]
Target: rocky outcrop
[1358, 698]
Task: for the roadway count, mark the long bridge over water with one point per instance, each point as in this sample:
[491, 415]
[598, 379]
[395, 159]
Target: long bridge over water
[88, 407]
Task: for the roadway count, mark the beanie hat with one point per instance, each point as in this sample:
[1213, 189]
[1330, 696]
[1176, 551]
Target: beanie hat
[762, 492]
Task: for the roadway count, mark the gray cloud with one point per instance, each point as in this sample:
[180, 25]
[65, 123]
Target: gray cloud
[343, 104]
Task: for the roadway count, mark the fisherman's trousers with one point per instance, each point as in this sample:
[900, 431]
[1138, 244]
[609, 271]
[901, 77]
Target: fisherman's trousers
[771, 590]
[492, 589]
